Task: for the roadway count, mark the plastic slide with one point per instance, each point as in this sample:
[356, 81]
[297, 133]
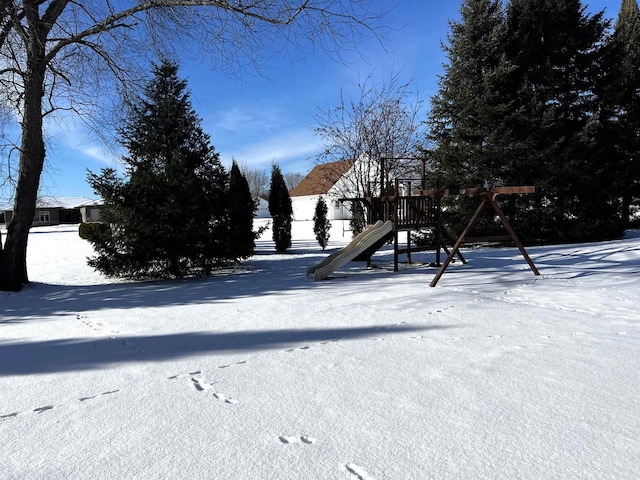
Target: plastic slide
[358, 245]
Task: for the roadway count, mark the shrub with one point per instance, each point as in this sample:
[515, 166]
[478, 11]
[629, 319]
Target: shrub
[94, 232]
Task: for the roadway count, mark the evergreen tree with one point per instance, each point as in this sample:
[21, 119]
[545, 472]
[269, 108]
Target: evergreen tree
[559, 53]
[280, 209]
[518, 105]
[357, 221]
[241, 211]
[625, 90]
[168, 216]
[321, 224]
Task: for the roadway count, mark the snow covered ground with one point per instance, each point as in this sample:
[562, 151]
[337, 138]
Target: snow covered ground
[261, 374]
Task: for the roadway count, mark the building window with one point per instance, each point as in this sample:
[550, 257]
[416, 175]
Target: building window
[43, 216]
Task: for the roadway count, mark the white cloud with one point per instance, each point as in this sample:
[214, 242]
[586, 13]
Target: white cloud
[294, 145]
[67, 133]
[248, 119]
[234, 119]
[98, 153]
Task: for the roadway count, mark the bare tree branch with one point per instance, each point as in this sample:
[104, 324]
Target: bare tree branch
[292, 179]
[261, 11]
[257, 179]
[380, 126]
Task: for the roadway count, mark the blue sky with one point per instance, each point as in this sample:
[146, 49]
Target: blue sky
[259, 119]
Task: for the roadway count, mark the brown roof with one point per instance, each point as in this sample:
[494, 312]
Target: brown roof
[321, 178]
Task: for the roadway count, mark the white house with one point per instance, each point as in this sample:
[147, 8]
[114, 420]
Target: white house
[60, 210]
[90, 210]
[321, 182]
[333, 181]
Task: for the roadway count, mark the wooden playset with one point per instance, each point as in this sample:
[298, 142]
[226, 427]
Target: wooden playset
[421, 209]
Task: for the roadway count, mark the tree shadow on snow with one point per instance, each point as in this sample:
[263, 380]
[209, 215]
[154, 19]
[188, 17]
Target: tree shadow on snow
[285, 275]
[506, 266]
[277, 274]
[25, 358]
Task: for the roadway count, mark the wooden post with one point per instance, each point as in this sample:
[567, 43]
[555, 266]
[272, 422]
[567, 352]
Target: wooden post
[455, 248]
[395, 250]
[438, 236]
[512, 233]
[410, 214]
[488, 198]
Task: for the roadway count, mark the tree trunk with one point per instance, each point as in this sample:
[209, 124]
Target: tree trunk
[626, 210]
[13, 263]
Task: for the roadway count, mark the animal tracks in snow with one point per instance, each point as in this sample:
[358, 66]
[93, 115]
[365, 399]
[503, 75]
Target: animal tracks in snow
[201, 385]
[538, 337]
[302, 439]
[84, 399]
[306, 347]
[96, 326]
[223, 398]
[26, 412]
[93, 326]
[178, 375]
[202, 372]
[440, 310]
[334, 340]
[112, 334]
[231, 365]
[45, 408]
[358, 471]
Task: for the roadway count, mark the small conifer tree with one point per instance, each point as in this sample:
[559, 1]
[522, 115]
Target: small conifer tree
[241, 211]
[357, 222]
[280, 209]
[321, 224]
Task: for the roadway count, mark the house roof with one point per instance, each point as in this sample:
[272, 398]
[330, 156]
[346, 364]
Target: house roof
[97, 202]
[320, 180]
[59, 202]
[62, 202]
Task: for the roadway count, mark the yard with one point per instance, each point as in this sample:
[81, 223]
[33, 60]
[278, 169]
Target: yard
[261, 374]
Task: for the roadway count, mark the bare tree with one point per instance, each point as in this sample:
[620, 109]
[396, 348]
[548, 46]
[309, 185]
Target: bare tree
[54, 53]
[292, 179]
[379, 127]
[257, 179]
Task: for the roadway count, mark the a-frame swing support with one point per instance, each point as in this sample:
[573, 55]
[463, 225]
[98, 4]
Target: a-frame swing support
[488, 196]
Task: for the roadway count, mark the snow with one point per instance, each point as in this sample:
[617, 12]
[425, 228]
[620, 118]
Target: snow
[261, 374]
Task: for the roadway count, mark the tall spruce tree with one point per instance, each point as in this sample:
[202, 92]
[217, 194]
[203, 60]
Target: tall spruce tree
[241, 209]
[168, 216]
[470, 140]
[466, 118]
[557, 50]
[321, 224]
[280, 209]
[625, 90]
[519, 104]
